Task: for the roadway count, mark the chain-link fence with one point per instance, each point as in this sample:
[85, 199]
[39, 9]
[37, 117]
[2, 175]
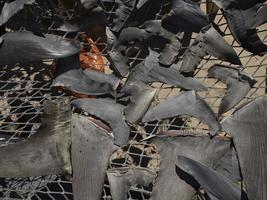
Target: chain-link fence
[23, 88]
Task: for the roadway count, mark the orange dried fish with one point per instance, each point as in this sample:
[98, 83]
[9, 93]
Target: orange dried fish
[93, 59]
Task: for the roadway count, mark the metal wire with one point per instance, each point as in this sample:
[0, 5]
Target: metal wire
[23, 88]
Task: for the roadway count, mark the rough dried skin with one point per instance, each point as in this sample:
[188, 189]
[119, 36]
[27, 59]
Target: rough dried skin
[248, 127]
[132, 35]
[121, 179]
[82, 23]
[116, 45]
[141, 97]
[186, 103]
[141, 3]
[109, 111]
[168, 185]
[215, 183]
[119, 63]
[238, 85]
[228, 166]
[185, 15]
[24, 46]
[90, 152]
[208, 41]
[10, 9]
[243, 24]
[89, 82]
[172, 46]
[241, 4]
[47, 151]
[224, 4]
[89, 4]
[150, 71]
[122, 13]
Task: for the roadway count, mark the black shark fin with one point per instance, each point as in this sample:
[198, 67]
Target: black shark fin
[238, 85]
[47, 151]
[195, 146]
[109, 111]
[248, 128]
[90, 152]
[215, 183]
[186, 103]
[121, 179]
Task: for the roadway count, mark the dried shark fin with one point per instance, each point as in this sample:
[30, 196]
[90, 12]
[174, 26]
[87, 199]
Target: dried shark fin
[29, 47]
[260, 18]
[185, 15]
[172, 46]
[215, 183]
[208, 42]
[141, 3]
[90, 152]
[246, 35]
[116, 45]
[109, 111]
[89, 4]
[10, 9]
[228, 166]
[47, 151]
[238, 85]
[119, 63]
[121, 179]
[240, 4]
[199, 147]
[248, 128]
[89, 82]
[141, 97]
[94, 17]
[122, 14]
[186, 103]
[150, 71]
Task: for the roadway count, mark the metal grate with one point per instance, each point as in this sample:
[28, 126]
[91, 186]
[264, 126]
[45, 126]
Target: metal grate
[23, 88]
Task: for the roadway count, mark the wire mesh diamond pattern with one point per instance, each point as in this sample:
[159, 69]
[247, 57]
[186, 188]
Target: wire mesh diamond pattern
[23, 88]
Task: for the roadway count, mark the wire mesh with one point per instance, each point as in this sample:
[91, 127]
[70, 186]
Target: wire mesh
[23, 88]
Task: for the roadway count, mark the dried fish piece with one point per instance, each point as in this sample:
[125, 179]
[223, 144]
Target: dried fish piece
[141, 3]
[29, 47]
[172, 46]
[90, 152]
[141, 97]
[216, 184]
[132, 35]
[122, 13]
[185, 15]
[150, 71]
[121, 179]
[119, 63]
[10, 9]
[93, 17]
[109, 111]
[168, 185]
[89, 82]
[186, 103]
[47, 151]
[238, 85]
[240, 4]
[117, 45]
[248, 127]
[228, 166]
[208, 42]
[246, 34]
[89, 4]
